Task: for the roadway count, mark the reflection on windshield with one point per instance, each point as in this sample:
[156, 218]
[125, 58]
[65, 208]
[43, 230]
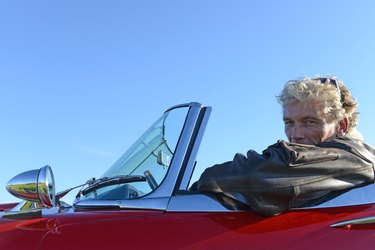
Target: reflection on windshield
[150, 156]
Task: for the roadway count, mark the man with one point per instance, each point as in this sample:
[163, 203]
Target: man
[325, 154]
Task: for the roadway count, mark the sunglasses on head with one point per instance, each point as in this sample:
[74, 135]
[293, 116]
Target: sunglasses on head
[332, 81]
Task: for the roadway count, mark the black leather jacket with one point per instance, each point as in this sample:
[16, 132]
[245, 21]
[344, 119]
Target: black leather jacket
[288, 175]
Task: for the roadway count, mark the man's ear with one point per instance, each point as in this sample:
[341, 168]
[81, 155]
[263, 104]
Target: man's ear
[343, 126]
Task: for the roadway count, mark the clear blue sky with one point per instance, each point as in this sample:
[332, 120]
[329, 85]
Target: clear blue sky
[81, 80]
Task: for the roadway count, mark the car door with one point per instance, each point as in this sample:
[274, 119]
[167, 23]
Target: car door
[200, 223]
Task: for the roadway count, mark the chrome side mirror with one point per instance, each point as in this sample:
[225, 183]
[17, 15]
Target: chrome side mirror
[35, 186]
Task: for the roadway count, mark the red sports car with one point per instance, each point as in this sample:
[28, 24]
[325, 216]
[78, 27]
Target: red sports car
[143, 202]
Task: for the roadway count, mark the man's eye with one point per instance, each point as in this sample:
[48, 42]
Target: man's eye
[288, 123]
[310, 122]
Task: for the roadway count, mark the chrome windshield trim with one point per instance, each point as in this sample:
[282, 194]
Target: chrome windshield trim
[97, 204]
[145, 203]
[186, 175]
[190, 104]
[167, 186]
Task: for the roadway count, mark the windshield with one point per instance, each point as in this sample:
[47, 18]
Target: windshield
[150, 157]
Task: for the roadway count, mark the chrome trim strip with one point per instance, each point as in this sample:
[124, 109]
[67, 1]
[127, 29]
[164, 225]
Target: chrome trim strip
[186, 176]
[190, 104]
[354, 197]
[144, 203]
[97, 204]
[359, 221]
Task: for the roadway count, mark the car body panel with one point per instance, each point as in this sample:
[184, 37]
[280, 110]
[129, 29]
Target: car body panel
[303, 229]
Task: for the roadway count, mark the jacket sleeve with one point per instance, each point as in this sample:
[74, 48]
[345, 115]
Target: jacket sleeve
[290, 175]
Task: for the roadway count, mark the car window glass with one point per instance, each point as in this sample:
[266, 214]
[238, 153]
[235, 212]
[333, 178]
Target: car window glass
[150, 157]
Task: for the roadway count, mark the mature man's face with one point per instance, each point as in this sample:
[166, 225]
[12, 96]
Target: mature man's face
[306, 123]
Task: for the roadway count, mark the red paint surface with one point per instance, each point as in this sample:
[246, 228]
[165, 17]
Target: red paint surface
[304, 229]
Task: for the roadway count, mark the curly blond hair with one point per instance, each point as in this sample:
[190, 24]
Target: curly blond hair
[336, 99]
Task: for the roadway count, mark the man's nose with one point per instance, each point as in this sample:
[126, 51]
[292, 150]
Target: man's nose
[296, 133]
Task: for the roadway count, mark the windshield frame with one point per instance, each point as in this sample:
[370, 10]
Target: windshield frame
[180, 169]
